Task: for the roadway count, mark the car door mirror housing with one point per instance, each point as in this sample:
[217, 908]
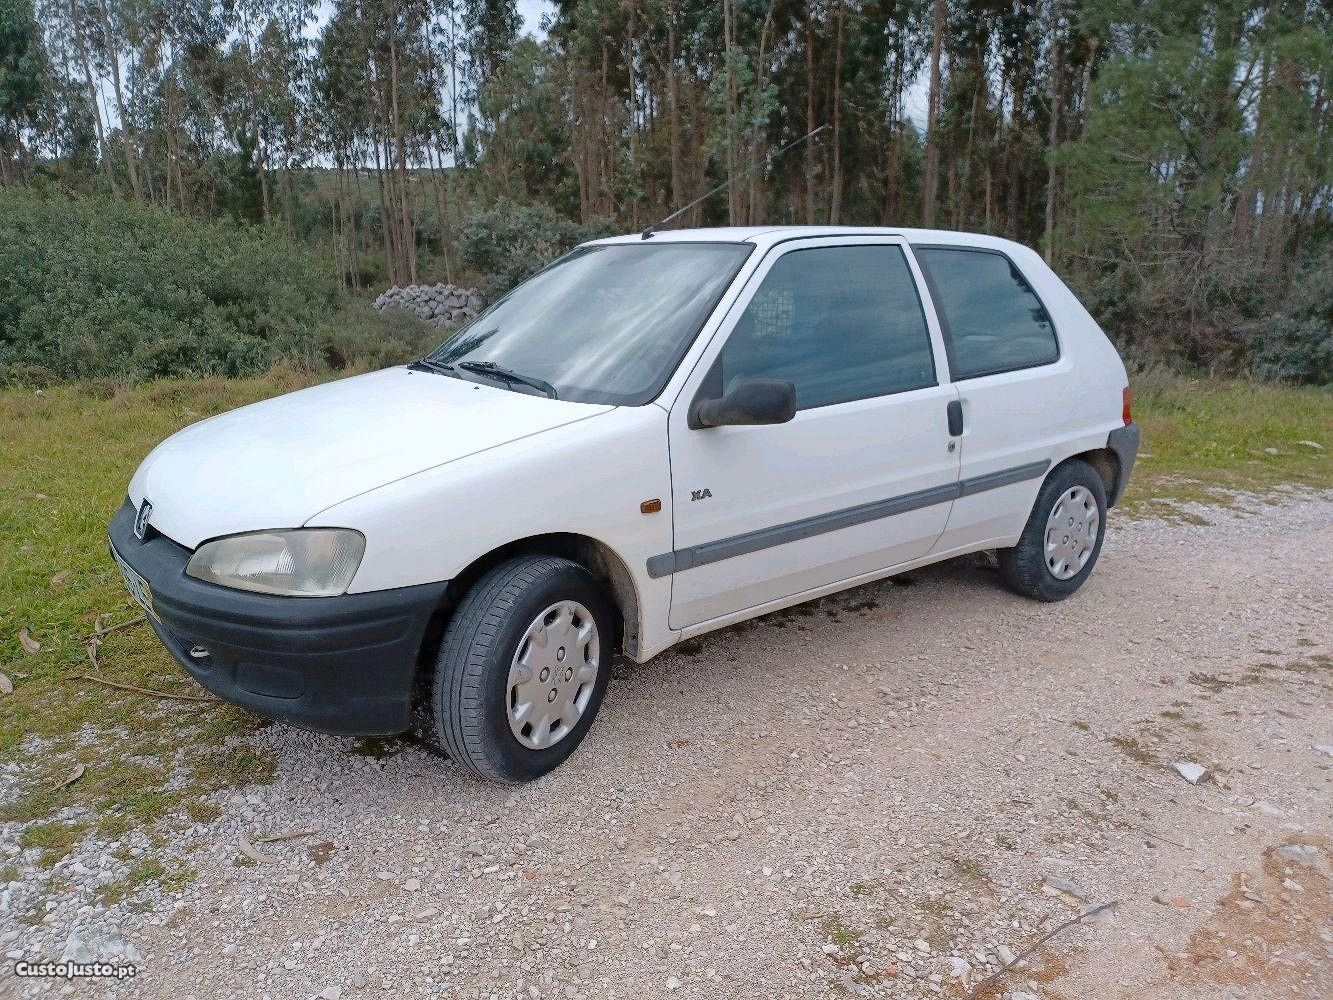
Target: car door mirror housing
[754, 401]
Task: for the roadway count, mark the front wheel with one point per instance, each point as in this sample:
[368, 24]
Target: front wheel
[523, 666]
[1062, 538]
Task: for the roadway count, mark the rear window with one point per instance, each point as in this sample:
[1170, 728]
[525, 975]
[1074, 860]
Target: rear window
[993, 320]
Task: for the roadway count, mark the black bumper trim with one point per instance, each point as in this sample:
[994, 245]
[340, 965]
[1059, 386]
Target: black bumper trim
[343, 665]
[1124, 441]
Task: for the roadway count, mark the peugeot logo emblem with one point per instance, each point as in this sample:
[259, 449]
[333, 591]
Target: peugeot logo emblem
[141, 519]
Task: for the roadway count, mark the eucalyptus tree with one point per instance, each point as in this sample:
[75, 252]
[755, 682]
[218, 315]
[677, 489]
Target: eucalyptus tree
[23, 67]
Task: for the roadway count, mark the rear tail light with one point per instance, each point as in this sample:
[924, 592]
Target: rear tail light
[1124, 408]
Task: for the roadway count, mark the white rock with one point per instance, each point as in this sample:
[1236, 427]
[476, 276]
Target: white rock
[90, 945]
[1324, 748]
[330, 993]
[1191, 772]
[673, 983]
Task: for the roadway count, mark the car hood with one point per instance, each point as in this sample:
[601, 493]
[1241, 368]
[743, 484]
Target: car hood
[277, 463]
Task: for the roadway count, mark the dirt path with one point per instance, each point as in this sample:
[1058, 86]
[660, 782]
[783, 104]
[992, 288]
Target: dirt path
[860, 797]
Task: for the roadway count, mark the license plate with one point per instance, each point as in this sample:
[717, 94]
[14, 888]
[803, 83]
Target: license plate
[136, 585]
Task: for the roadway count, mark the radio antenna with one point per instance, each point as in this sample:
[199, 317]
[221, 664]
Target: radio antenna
[647, 234]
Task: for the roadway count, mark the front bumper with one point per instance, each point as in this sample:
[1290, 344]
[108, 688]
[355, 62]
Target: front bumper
[342, 665]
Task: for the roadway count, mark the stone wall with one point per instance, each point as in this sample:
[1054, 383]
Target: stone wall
[440, 305]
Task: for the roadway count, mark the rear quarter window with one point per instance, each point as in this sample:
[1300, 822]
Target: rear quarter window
[993, 321]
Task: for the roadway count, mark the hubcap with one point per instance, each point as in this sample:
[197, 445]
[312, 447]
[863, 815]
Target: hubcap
[553, 674]
[1071, 532]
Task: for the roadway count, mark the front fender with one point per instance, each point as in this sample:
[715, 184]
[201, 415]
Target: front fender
[589, 479]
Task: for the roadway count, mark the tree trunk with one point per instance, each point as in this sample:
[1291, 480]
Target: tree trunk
[758, 208]
[673, 102]
[835, 196]
[113, 59]
[930, 183]
[407, 235]
[391, 257]
[1012, 155]
[1053, 138]
[893, 169]
[81, 47]
[632, 97]
[810, 117]
[964, 218]
[729, 110]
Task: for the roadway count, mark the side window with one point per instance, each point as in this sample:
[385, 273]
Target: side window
[841, 323]
[993, 321]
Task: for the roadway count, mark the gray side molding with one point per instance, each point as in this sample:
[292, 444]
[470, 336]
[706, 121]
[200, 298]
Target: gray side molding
[793, 531]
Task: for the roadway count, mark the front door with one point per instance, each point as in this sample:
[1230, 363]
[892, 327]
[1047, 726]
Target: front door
[860, 480]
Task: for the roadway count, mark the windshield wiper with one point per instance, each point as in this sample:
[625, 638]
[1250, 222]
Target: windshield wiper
[431, 365]
[492, 370]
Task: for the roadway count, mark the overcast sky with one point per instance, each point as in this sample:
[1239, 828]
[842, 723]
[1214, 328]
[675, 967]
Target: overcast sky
[532, 11]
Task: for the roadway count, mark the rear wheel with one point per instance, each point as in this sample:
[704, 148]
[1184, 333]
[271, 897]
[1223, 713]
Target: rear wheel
[1062, 538]
[522, 668]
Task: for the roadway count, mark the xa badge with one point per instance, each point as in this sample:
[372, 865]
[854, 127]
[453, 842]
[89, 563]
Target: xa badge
[141, 520]
[703, 494]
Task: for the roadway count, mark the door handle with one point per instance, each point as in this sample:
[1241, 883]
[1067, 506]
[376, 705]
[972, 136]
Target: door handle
[955, 411]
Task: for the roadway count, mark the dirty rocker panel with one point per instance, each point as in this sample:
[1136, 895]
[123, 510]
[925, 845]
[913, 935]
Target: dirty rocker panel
[793, 531]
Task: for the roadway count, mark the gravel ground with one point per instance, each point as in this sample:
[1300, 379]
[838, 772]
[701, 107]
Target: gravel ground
[888, 793]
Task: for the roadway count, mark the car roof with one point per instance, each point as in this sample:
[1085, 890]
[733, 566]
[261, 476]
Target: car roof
[767, 236]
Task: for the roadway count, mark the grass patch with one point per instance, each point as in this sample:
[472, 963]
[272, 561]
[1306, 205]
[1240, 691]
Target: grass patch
[840, 934]
[1134, 748]
[171, 877]
[66, 457]
[54, 839]
[1205, 440]
[967, 868]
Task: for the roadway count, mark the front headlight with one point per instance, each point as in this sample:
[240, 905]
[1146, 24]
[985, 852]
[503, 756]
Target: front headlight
[302, 562]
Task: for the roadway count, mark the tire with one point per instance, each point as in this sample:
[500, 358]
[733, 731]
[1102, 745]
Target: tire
[468, 710]
[1027, 568]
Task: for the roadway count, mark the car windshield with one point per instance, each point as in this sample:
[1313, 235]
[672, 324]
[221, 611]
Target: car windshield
[603, 324]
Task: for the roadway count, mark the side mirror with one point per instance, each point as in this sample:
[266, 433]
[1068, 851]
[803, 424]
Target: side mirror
[754, 401]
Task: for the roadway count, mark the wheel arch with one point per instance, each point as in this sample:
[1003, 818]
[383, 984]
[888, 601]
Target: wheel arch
[595, 556]
[1106, 463]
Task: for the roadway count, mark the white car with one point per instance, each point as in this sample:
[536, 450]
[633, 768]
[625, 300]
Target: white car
[654, 437]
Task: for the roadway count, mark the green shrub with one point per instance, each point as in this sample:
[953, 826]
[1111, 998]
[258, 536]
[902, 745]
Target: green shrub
[98, 287]
[509, 242]
[361, 337]
[1297, 345]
